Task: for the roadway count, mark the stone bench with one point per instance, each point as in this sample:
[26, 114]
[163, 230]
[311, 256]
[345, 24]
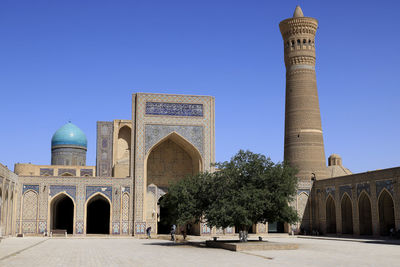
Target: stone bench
[58, 232]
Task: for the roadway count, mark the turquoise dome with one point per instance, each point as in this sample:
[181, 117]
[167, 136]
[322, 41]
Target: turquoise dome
[69, 134]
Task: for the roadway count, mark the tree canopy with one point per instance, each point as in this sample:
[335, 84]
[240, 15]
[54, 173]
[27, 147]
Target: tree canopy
[246, 190]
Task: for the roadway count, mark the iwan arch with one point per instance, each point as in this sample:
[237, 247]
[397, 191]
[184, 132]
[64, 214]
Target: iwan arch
[170, 136]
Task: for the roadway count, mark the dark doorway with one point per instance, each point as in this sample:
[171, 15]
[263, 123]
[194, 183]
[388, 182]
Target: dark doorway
[365, 217]
[63, 214]
[347, 215]
[163, 225]
[276, 227]
[98, 216]
[386, 213]
[330, 216]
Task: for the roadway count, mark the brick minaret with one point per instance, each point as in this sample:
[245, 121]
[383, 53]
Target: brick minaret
[304, 145]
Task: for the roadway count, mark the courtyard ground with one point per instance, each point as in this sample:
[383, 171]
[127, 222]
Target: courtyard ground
[109, 251]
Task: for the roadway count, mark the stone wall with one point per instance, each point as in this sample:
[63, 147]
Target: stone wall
[376, 193]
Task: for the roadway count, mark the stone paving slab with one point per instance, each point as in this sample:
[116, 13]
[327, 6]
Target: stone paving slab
[151, 252]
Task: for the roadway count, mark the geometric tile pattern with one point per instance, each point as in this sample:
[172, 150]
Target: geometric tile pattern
[29, 212]
[380, 185]
[330, 190]
[174, 109]
[69, 189]
[364, 186]
[106, 190]
[27, 187]
[344, 189]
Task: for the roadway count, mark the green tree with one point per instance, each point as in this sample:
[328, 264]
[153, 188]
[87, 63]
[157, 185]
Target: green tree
[246, 190]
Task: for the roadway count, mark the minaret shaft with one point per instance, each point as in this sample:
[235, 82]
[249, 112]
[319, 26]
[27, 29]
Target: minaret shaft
[304, 145]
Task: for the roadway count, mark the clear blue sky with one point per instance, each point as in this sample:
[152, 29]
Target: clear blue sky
[82, 60]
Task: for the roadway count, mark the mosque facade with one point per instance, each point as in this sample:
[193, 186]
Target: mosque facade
[171, 136]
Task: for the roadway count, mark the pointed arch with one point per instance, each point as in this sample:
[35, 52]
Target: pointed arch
[62, 212]
[364, 213]
[184, 150]
[124, 144]
[98, 213]
[184, 143]
[386, 212]
[330, 215]
[347, 214]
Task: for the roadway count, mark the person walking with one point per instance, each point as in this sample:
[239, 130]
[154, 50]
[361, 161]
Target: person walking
[148, 232]
[173, 231]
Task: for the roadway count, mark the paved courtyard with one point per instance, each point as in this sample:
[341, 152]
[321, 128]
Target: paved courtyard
[38, 251]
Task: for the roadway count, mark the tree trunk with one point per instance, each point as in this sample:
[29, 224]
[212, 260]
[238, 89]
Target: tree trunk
[243, 235]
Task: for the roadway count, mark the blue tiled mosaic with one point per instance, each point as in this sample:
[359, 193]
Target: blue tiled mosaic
[345, 189]
[307, 191]
[86, 172]
[79, 227]
[33, 187]
[330, 190]
[115, 228]
[106, 190]
[174, 109]
[140, 227]
[126, 189]
[69, 189]
[46, 172]
[365, 187]
[388, 184]
[63, 171]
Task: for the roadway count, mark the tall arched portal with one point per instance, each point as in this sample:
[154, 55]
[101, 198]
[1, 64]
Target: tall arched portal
[386, 213]
[365, 218]
[330, 216]
[62, 213]
[171, 159]
[98, 215]
[347, 215]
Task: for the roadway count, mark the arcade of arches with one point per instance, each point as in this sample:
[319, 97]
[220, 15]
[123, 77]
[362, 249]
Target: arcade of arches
[385, 212]
[170, 160]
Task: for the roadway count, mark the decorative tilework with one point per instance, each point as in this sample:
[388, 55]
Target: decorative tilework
[126, 188]
[380, 185]
[104, 148]
[86, 172]
[125, 228]
[363, 186]
[174, 109]
[79, 227]
[343, 189]
[229, 230]
[140, 227]
[115, 228]
[42, 227]
[46, 172]
[61, 172]
[69, 189]
[106, 190]
[27, 187]
[330, 190]
[192, 134]
[205, 229]
[299, 191]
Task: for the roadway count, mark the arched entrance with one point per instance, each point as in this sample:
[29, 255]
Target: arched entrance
[330, 216]
[163, 224]
[347, 215]
[364, 211]
[98, 215]
[171, 159]
[386, 213]
[62, 213]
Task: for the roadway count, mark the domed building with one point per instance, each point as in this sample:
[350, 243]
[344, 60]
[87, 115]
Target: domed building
[69, 146]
